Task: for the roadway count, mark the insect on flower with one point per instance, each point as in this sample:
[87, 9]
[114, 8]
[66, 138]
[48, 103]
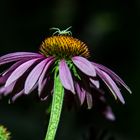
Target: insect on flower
[63, 32]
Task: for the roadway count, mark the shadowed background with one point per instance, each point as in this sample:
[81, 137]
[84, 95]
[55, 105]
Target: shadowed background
[109, 28]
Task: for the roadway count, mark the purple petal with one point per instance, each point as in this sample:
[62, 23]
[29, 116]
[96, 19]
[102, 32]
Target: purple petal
[95, 82]
[113, 75]
[13, 67]
[111, 84]
[84, 65]
[44, 98]
[108, 113]
[17, 56]
[2, 89]
[17, 95]
[80, 92]
[20, 71]
[3, 79]
[89, 100]
[49, 61]
[8, 72]
[65, 76]
[33, 88]
[7, 90]
[41, 86]
[34, 76]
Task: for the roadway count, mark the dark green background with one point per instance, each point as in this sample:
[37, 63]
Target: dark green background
[109, 28]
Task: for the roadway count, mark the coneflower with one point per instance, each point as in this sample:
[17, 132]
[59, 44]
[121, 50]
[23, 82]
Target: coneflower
[61, 65]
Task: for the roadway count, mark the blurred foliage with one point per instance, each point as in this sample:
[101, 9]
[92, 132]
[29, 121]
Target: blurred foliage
[110, 29]
[4, 133]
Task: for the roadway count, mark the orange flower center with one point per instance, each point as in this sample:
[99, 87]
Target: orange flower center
[63, 46]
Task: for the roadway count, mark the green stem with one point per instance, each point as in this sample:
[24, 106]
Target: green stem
[56, 108]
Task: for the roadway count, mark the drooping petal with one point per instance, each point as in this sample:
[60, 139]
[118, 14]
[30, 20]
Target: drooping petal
[2, 89]
[14, 66]
[34, 76]
[8, 72]
[89, 100]
[95, 82]
[46, 89]
[3, 79]
[111, 85]
[17, 95]
[84, 65]
[114, 76]
[6, 90]
[9, 89]
[18, 72]
[80, 92]
[49, 61]
[108, 113]
[44, 98]
[41, 86]
[17, 56]
[65, 76]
